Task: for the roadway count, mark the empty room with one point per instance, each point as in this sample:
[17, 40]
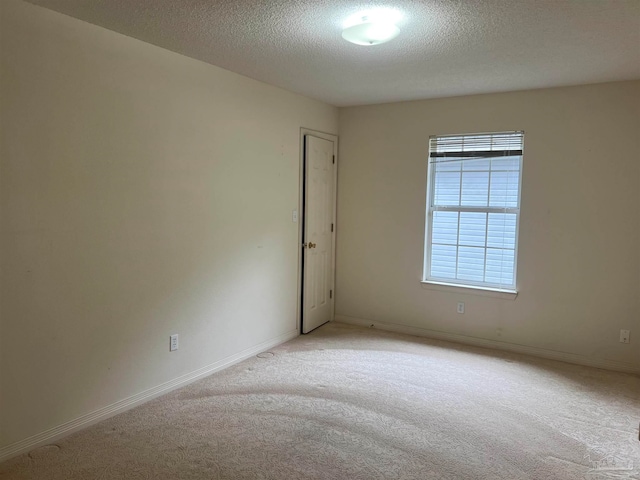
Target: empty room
[329, 240]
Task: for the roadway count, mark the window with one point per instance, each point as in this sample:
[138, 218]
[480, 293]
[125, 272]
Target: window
[473, 210]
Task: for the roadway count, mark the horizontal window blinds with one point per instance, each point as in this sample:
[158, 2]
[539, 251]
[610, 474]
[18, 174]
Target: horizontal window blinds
[483, 144]
[474, 206]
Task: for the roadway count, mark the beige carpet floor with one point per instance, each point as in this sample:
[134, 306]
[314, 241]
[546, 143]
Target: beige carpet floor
[350, 403]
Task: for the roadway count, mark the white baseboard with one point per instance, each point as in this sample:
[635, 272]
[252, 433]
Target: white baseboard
[481, 342]
[120, 406]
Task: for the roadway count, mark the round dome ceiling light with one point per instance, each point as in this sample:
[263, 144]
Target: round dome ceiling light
[371, 31]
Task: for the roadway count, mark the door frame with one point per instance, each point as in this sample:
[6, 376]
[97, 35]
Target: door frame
[301, 214]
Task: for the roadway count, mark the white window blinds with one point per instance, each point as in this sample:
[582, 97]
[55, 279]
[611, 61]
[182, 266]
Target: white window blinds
[473, 209]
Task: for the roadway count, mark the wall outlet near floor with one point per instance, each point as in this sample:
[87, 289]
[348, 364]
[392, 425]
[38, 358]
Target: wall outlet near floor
[624, 336]
[173, 343]
[460, 307]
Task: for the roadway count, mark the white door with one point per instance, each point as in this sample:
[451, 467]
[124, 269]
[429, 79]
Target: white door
[318, 231]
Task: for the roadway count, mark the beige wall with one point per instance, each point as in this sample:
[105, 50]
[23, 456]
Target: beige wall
[143, 194]
[579, 260]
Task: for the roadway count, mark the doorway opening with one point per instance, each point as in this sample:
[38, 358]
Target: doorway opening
[317, 229]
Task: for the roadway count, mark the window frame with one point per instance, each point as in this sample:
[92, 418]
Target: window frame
[469, 284]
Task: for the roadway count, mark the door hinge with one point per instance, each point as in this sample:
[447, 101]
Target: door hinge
[330, 293]
[334, 159]
[332, 227]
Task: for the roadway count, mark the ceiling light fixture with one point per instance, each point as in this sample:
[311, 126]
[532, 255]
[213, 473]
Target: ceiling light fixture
[370, 30]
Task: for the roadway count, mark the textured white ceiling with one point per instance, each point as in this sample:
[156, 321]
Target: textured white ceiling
[445, 48]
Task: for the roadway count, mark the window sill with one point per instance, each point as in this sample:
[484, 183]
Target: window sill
[482, 291]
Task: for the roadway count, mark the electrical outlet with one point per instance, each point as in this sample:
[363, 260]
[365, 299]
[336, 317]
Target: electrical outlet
[624, 336]
[173, 343]
[460, 307]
